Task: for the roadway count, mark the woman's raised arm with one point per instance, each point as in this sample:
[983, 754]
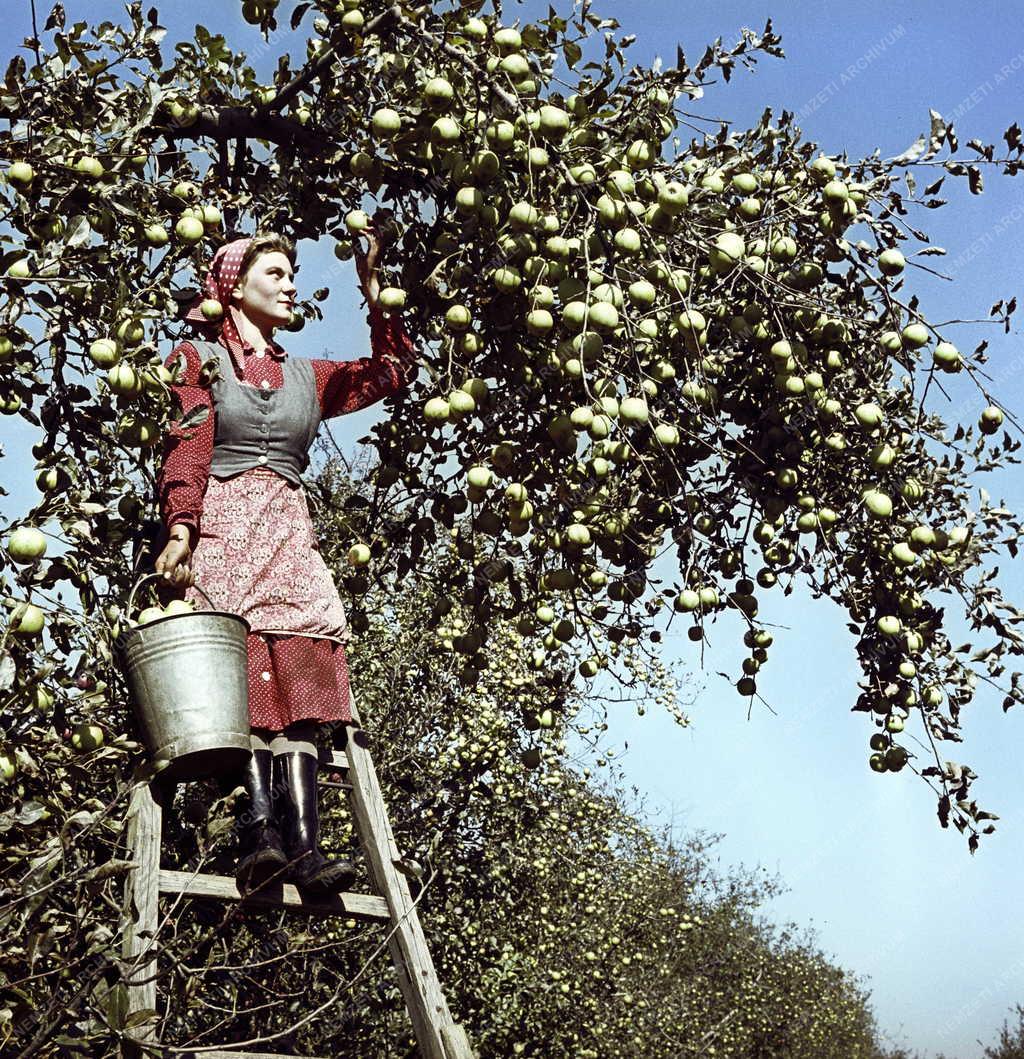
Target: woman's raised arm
[348, 385]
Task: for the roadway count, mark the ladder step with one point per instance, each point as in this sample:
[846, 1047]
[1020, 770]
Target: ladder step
[336, 758]
[224, 888]
[241, 1055]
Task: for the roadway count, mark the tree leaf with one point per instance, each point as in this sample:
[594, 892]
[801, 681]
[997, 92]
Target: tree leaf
[937, 133]
[299, 13]
[111, 868]
[8, 671]
[913, 152]
[55, 19]
[78, 231]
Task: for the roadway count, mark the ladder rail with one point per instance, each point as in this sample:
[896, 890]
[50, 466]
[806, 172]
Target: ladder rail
[437, 1034]
[142, 907]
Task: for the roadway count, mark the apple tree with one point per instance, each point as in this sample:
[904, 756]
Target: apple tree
[562, 926]
[657, 378]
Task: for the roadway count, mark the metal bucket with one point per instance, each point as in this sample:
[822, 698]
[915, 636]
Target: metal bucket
[188, 678]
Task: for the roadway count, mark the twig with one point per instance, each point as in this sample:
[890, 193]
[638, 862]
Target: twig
[35, 34]
[324, 61]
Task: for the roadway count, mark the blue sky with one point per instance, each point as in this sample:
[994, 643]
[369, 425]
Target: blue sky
[936, 933]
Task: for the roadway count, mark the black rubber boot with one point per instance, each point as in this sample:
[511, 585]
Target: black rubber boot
[295, 777]
[261, 853]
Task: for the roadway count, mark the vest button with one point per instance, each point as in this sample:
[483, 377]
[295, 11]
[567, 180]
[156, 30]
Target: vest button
[265, 394]
[262, 459]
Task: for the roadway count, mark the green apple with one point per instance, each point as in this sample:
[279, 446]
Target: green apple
[436, 410]
[745, 182]
[895, 758]
[183, 113]
[914, 335]
[891, 262]
[103, 353]
[156, 235]
[947, 357]
[392, 298]
[86, 737]
[141, 431]
[784, 249]
[357, 221]
[633, 410]
[869, 415]
[991, 420]
[461, 403]
[386, 123]
[21, 174]
[554, 122]
[479, 476]
[458, 317]
[27, 620]
[727, 251]
[822, 169]
[89, 166]
[52, 479]
[438, 92]
[123, 379]
[361, 164]
[445, 131]
[26, 544]
[879, 504]
[190, 229]
[359, 555]
[475, 29]
[604, 316]
[539, 321]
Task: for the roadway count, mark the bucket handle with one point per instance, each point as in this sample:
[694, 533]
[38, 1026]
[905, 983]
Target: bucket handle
[150, 577]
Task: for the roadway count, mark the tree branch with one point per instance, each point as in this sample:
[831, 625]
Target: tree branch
[240, 123]
[324, 61]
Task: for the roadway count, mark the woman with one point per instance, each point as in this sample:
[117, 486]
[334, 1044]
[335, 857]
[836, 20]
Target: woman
[237, 521]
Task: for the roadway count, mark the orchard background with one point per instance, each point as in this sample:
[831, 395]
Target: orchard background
[790, 790]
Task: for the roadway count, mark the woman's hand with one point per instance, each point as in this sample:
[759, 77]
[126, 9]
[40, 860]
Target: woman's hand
[175, 562]
[379, 235]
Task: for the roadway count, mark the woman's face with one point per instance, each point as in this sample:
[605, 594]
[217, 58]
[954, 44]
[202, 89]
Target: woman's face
[266, 292]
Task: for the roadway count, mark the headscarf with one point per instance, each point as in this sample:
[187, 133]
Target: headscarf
[219, 283]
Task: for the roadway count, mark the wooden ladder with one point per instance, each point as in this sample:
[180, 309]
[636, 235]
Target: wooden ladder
[437, 1034]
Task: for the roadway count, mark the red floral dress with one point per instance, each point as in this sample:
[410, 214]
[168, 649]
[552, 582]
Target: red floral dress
[254, 549]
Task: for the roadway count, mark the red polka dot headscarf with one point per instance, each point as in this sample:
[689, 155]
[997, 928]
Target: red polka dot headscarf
[219, 283]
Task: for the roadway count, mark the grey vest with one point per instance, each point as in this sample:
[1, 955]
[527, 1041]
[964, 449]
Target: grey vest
[262, 428]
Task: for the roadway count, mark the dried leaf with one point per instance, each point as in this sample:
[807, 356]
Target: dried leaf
[913, 152]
